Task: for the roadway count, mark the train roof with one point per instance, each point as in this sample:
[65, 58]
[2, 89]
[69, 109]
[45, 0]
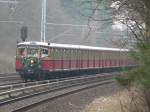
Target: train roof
[45, 44]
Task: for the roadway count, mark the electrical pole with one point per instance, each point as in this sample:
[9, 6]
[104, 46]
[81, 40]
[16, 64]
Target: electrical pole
[43, 22]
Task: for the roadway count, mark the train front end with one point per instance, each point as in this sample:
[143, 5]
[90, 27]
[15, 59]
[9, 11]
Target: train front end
[28, 62]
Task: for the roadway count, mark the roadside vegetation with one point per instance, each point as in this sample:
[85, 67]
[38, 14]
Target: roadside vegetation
[134, 15]
[137, 81]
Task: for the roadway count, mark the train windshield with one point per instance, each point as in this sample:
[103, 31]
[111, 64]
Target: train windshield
[32, 52]
[28, 51]
[44, 52]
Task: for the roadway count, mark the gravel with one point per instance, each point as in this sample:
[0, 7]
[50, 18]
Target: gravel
[76, 102]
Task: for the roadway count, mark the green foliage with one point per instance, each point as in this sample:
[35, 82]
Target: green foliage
[123, 81]
[141, 74]
[27, 64]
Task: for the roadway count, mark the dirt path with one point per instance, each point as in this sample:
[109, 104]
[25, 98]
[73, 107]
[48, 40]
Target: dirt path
[106, 103]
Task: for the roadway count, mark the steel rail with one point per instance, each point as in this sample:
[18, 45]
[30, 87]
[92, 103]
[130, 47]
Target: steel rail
[10, 86]
[10, 74]
[22, 84]
[9, 78]
[62, 94]
[49, 87]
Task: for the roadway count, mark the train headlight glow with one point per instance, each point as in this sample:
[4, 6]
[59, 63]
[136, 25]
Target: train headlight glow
[32, 61]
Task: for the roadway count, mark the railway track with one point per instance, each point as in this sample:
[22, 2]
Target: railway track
[13, 86]
[8, 74]
[9, 78]
[46, 91]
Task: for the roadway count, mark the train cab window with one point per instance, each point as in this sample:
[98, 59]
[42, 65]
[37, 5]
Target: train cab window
[21, 51]
[32, 52]
[44, 52]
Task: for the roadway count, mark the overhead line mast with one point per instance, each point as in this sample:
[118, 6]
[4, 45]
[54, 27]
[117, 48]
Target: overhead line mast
[43, 22]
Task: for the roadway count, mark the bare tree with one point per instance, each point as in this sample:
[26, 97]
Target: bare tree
[135, 16]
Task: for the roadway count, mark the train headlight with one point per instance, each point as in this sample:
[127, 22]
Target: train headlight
[32, 61]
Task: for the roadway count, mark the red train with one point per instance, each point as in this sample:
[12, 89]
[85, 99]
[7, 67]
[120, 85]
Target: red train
[39, 60]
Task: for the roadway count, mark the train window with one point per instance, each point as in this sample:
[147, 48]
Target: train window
[22, 51]
[44, 52]
[96, 55]
[79, 54]
[84, 57]
[88, 54]
[100, 56]
[83, 54]
[103, 55]
[51, 54]
[58, 54]
[74, 54]
[68, 54]
[64, 54]
[32, 51]
[112, 56]
[92, 55]
[54, 53]
[71, 54]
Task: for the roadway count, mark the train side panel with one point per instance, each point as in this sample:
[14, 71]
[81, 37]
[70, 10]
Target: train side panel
[18, 64]
[75, 59]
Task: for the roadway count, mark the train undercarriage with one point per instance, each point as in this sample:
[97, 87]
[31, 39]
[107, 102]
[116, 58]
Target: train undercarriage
[45, 75]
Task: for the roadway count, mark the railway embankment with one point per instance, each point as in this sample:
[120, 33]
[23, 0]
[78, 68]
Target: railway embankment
[80, 101]
[112, 103]
[74, 94]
